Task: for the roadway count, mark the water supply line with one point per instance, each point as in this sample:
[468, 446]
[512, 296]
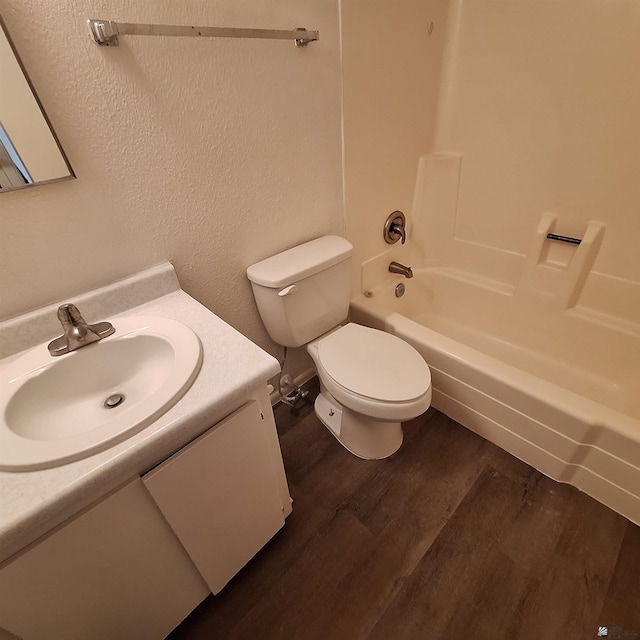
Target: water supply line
[285, 383]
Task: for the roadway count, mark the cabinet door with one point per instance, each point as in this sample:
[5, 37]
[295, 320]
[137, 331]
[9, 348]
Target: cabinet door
[115, 571]
[220, 495]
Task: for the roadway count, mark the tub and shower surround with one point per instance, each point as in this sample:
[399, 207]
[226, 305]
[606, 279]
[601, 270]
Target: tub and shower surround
[534, 349]
[533, 341]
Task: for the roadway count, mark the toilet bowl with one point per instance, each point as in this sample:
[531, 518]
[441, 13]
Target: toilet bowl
[370, 382]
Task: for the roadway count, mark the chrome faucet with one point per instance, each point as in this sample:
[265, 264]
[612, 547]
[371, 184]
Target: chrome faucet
[76, 332]
[396, 267]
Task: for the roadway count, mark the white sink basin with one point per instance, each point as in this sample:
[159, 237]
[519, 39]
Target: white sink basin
[57, 410]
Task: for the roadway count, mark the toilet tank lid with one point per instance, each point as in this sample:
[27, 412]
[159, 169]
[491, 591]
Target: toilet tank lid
[300, 262]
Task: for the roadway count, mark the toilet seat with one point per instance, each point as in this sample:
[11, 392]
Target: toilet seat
[373, 372]
[374, 364]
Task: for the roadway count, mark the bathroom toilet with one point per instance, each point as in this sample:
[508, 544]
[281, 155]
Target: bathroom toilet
[370, 381]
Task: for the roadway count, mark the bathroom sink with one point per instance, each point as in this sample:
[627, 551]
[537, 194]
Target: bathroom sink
[57, 410]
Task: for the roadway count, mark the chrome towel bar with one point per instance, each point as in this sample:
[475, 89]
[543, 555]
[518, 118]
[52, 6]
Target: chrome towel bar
[106, 32]
[569, 239]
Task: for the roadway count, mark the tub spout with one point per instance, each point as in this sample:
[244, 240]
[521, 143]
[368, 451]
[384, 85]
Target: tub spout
[396, 267]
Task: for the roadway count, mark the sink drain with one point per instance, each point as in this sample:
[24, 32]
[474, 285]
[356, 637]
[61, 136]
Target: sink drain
[113, 401]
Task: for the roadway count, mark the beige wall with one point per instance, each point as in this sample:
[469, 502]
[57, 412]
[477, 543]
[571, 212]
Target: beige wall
[540, 102]
[391, 74]
[211, 154]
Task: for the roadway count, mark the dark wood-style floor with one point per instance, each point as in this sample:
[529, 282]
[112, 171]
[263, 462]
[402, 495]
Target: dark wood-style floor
[450, 538]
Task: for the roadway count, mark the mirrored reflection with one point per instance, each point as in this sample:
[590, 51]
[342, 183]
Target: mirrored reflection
[13, 173]
[29, 150]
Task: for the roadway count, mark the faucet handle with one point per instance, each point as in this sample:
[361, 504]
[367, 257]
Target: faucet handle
[399, 230]
[395, 228]
[69, 314]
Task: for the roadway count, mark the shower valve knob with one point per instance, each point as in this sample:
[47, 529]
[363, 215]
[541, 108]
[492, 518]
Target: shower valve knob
[395, 228]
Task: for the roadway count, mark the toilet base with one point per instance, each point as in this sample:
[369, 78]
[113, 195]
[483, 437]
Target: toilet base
[364, 437]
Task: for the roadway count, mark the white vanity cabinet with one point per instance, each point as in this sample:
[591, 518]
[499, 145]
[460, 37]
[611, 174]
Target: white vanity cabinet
[114, 571]
[134, 564]
[221, 495]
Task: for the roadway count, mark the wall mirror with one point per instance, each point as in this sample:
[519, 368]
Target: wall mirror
[30, 153]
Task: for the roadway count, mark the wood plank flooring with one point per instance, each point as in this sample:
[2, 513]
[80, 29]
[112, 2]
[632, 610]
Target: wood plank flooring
[451, 538]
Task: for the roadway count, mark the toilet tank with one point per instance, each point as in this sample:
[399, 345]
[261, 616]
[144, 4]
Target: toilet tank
[303, 292]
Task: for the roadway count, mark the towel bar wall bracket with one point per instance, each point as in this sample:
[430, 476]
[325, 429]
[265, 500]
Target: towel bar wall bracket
[105, 32]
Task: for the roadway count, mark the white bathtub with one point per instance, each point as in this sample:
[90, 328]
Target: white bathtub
[559, 390]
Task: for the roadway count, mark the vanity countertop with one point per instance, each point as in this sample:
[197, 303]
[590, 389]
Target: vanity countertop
[34, 502]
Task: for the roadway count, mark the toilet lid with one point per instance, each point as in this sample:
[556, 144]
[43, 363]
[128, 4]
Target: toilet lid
[374, 364]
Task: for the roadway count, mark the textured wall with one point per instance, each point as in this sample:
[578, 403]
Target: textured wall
[211, 154]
